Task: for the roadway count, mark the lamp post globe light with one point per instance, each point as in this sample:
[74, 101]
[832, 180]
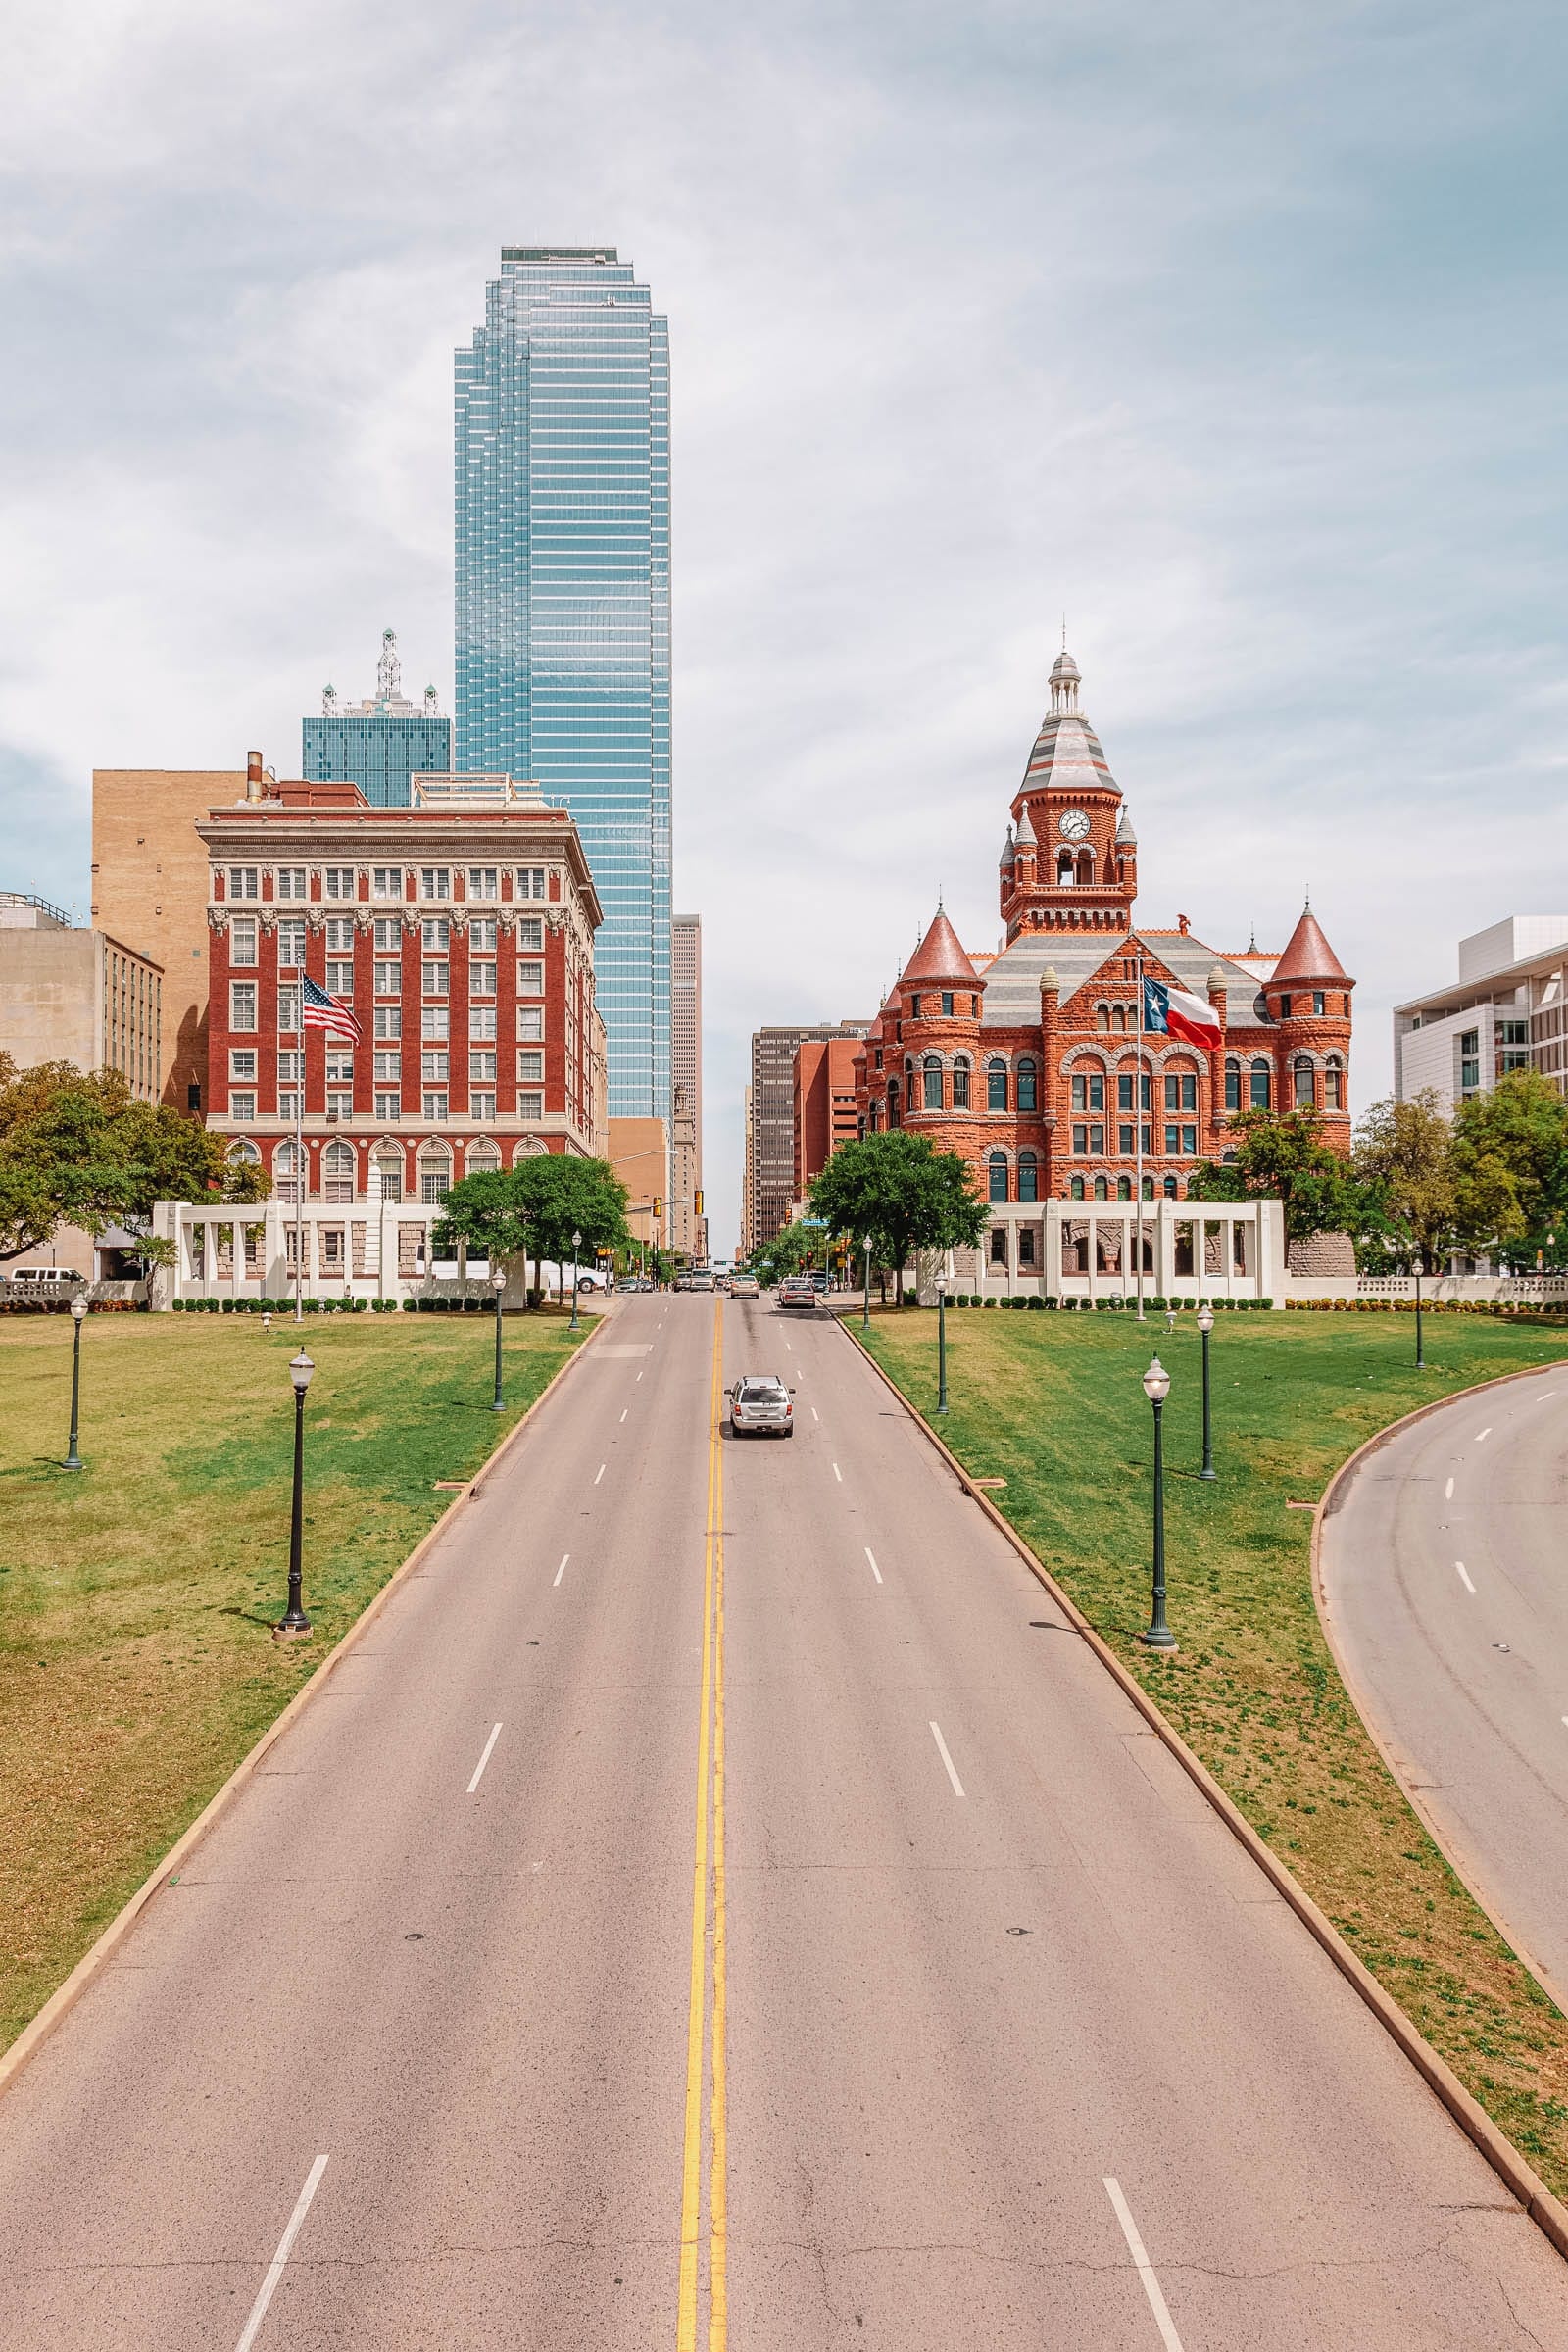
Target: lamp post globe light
[294, 1625]
[576, 1244]
[499, 1283]
[941, 1342]
[78, 1316]
[865, 1305]
[1420, 1358]
[1157, 1388]
[1206, 1323]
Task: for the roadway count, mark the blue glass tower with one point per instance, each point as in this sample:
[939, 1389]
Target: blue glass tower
[378, 745]
[563, 600]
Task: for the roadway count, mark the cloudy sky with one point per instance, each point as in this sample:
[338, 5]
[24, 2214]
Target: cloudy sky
[1235, 332]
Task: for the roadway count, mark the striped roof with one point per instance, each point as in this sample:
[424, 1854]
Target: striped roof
[1012, 984]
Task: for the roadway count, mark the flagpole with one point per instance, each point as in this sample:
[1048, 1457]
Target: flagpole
[299, 1154]
[1137, 1089]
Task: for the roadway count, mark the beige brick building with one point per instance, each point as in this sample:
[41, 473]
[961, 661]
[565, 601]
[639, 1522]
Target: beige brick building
[80, 997]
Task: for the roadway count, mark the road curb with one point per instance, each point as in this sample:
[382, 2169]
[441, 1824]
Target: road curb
[1328, 1504]
[1543, 2209]
[64, 1998]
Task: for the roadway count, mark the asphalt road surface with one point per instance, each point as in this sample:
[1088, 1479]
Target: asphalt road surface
[719, 1906]
[1447, 1577]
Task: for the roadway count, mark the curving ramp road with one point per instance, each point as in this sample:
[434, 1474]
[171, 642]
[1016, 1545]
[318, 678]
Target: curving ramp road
[1443, 1569]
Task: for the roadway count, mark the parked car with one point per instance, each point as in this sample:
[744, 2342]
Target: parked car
[759, 1406]
[47, 1280]
[798, 1290]
[745, 1285]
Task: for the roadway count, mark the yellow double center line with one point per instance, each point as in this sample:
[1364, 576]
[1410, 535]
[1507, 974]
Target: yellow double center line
[708, 1880]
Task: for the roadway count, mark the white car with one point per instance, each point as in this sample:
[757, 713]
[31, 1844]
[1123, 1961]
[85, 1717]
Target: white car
[759, 1406]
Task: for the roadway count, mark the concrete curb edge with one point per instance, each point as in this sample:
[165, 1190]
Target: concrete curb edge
[66, 1996]
[1543, 2209]
[1327, 1505]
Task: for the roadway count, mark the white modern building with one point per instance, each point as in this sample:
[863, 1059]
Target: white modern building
[1503, 1012]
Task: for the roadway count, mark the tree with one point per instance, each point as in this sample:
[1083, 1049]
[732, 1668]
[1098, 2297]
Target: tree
[891, 1190]
[79, 1149]
[1403, 1156]
[533, 1210]
[1281, 1155]
[791, 1248]
[1511, 1151]
[484, 1212]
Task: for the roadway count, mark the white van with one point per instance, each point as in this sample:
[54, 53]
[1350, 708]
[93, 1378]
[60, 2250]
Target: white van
[47, 1278]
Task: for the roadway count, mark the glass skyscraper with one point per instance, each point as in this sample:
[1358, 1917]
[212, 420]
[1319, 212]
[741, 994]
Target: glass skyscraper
[563, 600]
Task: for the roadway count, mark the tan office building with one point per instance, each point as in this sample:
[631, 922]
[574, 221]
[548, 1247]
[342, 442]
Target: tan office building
[639, 1153]
[79, 997]
[149, 888]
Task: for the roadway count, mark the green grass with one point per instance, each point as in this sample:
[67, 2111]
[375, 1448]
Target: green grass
[137, 1599]
[1052, 1405]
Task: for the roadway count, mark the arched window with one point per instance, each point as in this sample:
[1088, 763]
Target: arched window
[435, 1172]
[1171, 1187]
[892, 1102]
[1086, 867]
[1124, 1187]
[1232, 1084]
[1102, 1016]
[388, 1171]
[1064, 870]
[1028, 1176]
[1149, 1188]
[960, 1082]
[1334, 1084]
[244, 1155]
[1260, 1084]
[1102, 1188]
[337, 1171]
[481, 1158]
[1119, 1019]
[995, 1084]
[997, 1171]
[1028, 1085]
[1305, 1079]
[1075, 1190]
[931, 1071]
[286, 1172]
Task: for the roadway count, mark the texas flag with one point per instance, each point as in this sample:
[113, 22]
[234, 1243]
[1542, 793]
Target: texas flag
[1172, 1013]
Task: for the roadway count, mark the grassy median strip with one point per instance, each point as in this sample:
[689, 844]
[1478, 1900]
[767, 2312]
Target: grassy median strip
[137, 1600]
[1054, 1405]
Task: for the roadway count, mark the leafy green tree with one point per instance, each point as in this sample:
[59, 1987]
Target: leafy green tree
[1281, 1155]
[1510, 1149]
[533, 1210]
[484, 1212]
[791, 1248]
[893, 1190]
[78, 1148]
[1404, 1157]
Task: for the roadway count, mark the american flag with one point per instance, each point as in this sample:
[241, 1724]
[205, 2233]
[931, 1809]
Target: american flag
[318, 1011]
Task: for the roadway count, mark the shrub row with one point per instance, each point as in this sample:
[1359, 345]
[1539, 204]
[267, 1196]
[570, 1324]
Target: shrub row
[1108, 1305]
[284, 1307]
[1506, 1308]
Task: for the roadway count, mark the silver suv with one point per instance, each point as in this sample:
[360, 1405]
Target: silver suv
[759, 1406]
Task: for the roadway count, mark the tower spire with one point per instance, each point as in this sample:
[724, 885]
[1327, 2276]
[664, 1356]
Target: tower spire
[389, 670]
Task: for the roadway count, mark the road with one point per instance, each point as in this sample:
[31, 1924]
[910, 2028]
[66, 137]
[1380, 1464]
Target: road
[821, 1952]
[1443, 1572]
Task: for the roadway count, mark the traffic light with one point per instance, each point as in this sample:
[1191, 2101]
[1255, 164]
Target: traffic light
[697, 1203]
[659, 1207]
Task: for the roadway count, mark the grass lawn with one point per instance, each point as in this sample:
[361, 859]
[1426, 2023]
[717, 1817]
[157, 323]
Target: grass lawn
[1052, 1405]
[136, 1600]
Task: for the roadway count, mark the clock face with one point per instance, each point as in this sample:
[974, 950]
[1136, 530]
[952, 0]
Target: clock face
[1072, 824]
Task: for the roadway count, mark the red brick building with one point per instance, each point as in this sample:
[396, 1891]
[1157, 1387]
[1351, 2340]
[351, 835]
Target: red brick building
[460, 930]
[1029, 1062]
[826, 1109]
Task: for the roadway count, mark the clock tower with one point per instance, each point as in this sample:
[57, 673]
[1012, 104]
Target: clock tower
[1070, 862]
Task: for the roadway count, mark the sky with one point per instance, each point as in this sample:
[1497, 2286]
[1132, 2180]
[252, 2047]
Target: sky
[1234, 334]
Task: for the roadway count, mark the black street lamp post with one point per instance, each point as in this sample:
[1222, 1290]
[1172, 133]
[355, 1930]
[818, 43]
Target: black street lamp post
[865, 1306]
[1206, 1323]
[1420, 1359]
[294, 1624]
[576, 1244]
[498, 1280]
[78, 1316]
[1157, 1388]
[941, 1342]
